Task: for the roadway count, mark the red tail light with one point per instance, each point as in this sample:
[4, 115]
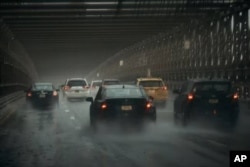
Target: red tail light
[148, 105]
[190, 96]
[29, 94]
[103, 106]
[235, 96]
[66, 88]
[164, 88]
[55, 93]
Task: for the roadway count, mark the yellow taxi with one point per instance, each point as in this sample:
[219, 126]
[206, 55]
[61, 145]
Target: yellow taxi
[154, 87]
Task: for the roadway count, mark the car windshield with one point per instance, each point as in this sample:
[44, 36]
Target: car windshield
[42, 87]
[155, 83]
[76, 83]
[206, 87]
[123, 93]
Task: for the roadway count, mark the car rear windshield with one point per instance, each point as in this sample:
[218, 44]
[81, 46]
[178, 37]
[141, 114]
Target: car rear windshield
[96, 83]
[214, 87]
[151, 83]
[42, 87]
[123, 93]
[77, 83]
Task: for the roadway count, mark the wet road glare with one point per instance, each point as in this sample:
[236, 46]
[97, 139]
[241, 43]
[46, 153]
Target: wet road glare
[63, 137]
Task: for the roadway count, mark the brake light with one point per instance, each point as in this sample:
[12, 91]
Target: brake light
[55, 93]
[235, 96]
[164, 88]
[66, 88]
[29, 94]
[148, 105]
[103, 106]
[190, 96]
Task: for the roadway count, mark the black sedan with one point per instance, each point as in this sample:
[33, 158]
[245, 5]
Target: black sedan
[121, 102]
[42, 95]
[215, 99]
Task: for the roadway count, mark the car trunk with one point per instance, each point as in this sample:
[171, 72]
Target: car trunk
[125, 106]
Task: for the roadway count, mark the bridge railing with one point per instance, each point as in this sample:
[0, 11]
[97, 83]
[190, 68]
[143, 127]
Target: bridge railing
[215, 46]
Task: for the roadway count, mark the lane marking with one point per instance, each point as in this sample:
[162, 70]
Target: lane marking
[72, 118]
[66, 110]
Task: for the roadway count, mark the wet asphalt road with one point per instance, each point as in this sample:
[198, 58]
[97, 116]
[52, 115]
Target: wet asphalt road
[63, 137]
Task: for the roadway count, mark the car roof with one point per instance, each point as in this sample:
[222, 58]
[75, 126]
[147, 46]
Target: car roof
[121, 86]
[149, 79]
[42, 83]
[208, 80]
[76, 79]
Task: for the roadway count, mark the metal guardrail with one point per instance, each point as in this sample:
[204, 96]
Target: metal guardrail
[4, 101]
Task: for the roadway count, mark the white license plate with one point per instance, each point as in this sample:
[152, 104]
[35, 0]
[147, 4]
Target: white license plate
[213, 101]
[42, 96]
[126, 108]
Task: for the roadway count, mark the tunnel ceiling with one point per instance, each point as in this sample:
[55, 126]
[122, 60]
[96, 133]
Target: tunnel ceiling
[96, 29]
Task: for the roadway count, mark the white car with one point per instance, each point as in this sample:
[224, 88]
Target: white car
[76, 88]
[94, 87]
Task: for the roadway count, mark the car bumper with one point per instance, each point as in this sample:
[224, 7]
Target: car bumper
[126, 115]
[216, 113]
[76, 95]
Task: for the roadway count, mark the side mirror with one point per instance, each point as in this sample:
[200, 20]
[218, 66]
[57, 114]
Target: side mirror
[90, 99]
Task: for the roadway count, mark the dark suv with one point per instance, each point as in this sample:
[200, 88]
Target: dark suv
[208, 99]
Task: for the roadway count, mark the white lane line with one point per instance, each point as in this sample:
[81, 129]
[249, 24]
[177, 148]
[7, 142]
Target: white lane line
[72, 118]
[66, 110]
